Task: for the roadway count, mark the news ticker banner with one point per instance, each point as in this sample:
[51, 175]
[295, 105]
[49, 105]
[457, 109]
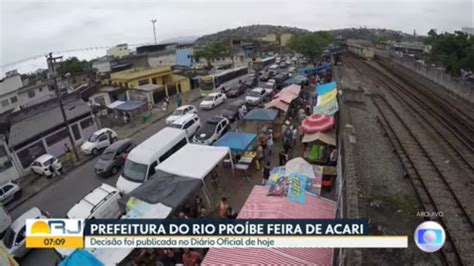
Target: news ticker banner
[175, 233]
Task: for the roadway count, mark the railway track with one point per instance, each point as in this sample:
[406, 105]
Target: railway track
[436, 190]
[431, 186]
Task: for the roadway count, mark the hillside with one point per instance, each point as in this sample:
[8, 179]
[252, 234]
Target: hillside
[247, 33]
[257, 31]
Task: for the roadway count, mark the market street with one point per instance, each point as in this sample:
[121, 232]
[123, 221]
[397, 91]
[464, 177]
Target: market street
[58, 198]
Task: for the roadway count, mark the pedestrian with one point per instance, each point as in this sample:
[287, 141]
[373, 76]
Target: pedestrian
[223, 205]
[179, 101]
[301, 114]
[166, 102]
[294, 135]
[231, 214]
[266, 173]
[191, 258]
[269, 143]
[333, 158]
[282, 158]
[284, 127]
[260, 156]
[202, 213]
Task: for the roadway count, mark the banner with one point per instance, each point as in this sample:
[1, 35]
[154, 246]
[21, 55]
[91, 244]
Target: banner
[324, 88]
[296, 190]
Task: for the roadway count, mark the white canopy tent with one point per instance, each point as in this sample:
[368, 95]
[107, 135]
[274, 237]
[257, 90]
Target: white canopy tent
[195, 161]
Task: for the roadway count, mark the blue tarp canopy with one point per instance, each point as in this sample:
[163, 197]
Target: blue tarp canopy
[312, 70]
[129, 106]
[324, 88]
[81, 257]
[261, 114]
[236, 141]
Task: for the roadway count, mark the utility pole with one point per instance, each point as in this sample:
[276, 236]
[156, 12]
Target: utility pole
[51, 61]
[153, 21]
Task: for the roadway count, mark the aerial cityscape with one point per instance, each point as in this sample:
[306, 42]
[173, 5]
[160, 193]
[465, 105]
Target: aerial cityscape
[214, 113]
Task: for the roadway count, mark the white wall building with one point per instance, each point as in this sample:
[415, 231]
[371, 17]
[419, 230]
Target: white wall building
[119, 50]
[162, 58]
[36, 93]
[9, 93]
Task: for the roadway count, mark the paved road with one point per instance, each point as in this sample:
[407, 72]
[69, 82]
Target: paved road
[58, 198]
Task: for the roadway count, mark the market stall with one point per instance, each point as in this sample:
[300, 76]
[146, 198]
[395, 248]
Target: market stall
[260, 206]
[200, 161]
[260, 120]
[283, 99]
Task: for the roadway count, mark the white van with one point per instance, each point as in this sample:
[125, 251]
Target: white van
[142, 160]
[189, 123]
[100, 203]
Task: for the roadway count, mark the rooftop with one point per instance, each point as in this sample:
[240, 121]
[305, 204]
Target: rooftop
[136, 73]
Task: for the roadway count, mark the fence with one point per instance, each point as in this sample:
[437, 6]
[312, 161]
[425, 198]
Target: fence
[462, 88]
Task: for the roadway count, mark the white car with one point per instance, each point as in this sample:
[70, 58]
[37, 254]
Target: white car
[269, 87]
[212, 130]
[179, 112]
[189, 123]
[100, 203]
[14, 239]
[101, 139]
[212, 100]
[42, 163]
[9, 191]
[256, 96]
[291, 69]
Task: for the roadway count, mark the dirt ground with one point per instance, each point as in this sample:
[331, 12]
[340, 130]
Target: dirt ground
[385, 196]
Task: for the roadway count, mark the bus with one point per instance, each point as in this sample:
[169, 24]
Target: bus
[260, 64]
[211, 83]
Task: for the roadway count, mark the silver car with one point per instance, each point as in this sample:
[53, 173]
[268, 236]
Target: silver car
[9, 191]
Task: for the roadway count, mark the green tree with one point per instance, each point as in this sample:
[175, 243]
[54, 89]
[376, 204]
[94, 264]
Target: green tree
[310, 44]
[74, 66]
[211, 51]
[453, 51]
[380, 39]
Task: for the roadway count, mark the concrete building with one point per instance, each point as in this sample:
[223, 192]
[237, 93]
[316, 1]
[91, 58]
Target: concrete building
[39, 129]
[184, 57]
[163, 77]
[119, 50]
[107, 95]
[271, 38]
[285, 38]
[36, 93]
[162, 58]
[9, 93]
[108, 64]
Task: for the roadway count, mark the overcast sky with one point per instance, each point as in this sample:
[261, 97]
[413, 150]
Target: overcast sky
[30, 28]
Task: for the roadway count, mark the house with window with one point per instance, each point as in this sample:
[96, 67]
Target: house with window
[162, 80]
[9, 93]
[38, 92]
[40, 129]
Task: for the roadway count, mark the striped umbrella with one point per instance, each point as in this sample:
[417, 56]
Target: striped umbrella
[317, 123]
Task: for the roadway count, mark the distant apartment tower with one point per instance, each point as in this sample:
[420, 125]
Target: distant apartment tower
[119, 50]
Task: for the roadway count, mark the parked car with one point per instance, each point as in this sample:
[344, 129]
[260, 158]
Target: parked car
[231, 112]
[9, 191]
[269, 87]
[212, 100]
[101, 139]
[15, 236]
[113, 158]
[283, 65]
[100, 203]
[251, 82]
[291, 69]
[179, 112]
[237, 90]
[189, 123]
[256, 96]
[265, 76]
[41, 165]
[212, 130]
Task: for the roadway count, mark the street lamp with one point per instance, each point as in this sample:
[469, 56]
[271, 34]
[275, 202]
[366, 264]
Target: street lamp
[153, 21]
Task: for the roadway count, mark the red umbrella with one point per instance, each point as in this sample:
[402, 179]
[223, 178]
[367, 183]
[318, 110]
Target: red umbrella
[317, 123]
